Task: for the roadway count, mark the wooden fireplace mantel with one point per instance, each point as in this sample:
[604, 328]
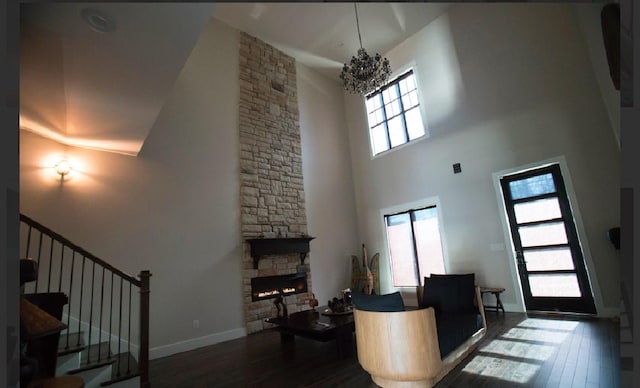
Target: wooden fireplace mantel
[278, 246]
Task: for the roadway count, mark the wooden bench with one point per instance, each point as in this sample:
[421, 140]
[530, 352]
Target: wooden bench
[496, 291]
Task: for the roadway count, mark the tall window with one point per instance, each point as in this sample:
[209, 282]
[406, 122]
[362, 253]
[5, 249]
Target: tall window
[394, 114]
[415, 246]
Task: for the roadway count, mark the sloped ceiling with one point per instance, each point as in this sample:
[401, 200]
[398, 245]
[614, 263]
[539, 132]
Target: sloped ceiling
[324, 36]
[104, 90]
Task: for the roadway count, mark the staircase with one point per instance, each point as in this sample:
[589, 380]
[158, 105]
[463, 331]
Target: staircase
[106, 341]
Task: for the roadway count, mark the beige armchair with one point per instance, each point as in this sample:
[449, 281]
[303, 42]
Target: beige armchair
[400, 349]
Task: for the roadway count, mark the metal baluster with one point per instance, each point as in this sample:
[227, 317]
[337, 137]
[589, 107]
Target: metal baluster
[61, 264]
[111, 311]
[26, 255]
[84, 259]
[129, 341]
[119, 327]
[93, 276]
[38, 270]
[50, 264]
[73, 263]
[100, 326]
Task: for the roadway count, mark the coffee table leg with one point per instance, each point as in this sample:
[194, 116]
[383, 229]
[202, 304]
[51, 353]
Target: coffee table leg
[344, 341]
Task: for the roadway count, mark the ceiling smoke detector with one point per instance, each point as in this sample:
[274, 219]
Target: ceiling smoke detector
[97, 20]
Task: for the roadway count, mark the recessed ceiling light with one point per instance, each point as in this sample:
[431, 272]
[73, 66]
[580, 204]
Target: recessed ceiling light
[97, 20]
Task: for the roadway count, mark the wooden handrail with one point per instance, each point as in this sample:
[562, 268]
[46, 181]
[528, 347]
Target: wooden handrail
[78, 249]
[142, 282]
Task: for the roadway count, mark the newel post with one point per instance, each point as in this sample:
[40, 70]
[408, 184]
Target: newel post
[144, 329]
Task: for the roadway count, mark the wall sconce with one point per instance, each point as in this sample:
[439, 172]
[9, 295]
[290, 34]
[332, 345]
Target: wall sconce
[63, 168]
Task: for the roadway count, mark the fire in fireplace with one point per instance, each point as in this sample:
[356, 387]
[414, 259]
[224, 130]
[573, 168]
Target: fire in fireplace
[266, 287]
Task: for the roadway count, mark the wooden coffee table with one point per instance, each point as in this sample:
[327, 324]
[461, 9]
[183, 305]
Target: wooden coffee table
[316, 326]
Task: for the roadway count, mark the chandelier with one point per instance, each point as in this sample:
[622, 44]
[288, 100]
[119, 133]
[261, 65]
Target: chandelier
[365, 73]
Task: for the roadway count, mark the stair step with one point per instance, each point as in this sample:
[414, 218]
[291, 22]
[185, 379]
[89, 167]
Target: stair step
[96, 353]
[92, 365]
[71, 343]
[95, 356]
[125, 367]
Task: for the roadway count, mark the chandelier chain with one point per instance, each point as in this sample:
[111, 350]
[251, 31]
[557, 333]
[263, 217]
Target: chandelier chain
[358, 24]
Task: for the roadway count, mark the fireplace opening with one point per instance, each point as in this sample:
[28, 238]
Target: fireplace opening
[267, 287]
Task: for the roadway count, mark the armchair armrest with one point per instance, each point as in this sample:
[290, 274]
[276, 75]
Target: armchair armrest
[480, 306]
[398, 346]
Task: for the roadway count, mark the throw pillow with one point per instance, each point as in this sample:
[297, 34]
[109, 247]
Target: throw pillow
[452, 292]
[384, 303]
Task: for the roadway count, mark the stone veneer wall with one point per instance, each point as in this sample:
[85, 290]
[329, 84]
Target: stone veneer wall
[271, 185]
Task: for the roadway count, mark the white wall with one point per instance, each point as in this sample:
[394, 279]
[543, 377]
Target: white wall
[328, 183]
[172, 210]
[503, 85]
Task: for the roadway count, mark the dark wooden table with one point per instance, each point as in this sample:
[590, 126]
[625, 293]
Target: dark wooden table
[317, 326]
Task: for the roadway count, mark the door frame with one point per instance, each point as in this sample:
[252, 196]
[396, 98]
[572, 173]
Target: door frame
[575, 208]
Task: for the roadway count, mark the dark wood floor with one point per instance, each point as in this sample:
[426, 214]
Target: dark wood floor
[518, 351]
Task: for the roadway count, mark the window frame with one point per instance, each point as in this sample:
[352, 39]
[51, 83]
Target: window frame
[402, 72]
[404, 208]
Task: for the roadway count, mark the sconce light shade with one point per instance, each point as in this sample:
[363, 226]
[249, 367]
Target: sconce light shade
[63, 167]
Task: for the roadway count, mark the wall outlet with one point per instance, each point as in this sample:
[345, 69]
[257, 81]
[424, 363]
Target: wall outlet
[196, 324]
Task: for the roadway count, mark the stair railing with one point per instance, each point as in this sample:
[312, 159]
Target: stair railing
[101, 299]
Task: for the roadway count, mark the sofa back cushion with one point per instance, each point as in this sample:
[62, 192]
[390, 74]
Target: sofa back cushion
[387, 303]
[450, 293]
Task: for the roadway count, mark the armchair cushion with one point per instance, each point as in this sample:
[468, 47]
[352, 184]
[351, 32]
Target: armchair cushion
[385, 303]
[449, 293]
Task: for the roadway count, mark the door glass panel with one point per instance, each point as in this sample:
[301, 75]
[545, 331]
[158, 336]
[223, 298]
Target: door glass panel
[538, 210]
[547, 234]
[549, 259]
[529, 187]
[563, 285]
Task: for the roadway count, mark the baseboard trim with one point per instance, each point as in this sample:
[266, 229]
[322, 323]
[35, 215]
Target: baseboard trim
[513, 308]
[607, 312]
[610, 312]
[195, 343]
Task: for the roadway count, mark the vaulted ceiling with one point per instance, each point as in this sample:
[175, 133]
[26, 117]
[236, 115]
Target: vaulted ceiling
[84, 87]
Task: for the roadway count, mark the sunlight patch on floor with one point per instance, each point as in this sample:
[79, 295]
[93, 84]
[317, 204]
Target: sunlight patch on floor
[555, 337]
[513, 344]
[503, 369]
[519, 349]
[554, 324]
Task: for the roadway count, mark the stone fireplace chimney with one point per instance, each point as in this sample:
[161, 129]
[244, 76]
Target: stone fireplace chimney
[271, 183]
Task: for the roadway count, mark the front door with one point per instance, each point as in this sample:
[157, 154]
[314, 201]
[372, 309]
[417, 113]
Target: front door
[547, 250]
